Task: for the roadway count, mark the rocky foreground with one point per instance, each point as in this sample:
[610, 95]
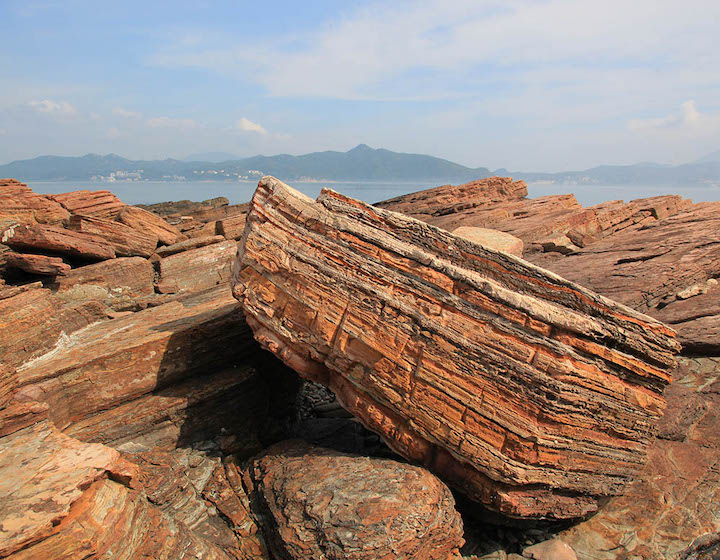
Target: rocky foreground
[140, 419]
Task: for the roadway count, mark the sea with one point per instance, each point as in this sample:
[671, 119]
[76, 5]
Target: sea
[149, 192]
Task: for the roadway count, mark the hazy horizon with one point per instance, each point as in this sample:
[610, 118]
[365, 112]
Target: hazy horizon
[532, 85]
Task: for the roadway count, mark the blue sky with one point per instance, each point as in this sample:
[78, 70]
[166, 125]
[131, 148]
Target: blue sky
[523, 84]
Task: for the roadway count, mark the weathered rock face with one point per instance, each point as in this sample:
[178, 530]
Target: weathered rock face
[126, 241]
[98, 204]
[56, 240]
[671, 511]
[150, 223]
[196, 269]
[531, 394]
[325, 505]
[492, 238]
[19, 202]
[38, 264]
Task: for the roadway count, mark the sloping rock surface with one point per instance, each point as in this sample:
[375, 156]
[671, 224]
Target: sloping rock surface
[531, 394]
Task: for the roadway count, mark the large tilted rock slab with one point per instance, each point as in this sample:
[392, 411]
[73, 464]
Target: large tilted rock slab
[100, 204]
[530, 393]
[319, 504]
[56, 240]
[18, 201]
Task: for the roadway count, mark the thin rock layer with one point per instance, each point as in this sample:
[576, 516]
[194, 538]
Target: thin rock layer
[530, 393]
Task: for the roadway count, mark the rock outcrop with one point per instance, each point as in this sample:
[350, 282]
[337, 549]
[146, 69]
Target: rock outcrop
[320, 504]
[531, 394]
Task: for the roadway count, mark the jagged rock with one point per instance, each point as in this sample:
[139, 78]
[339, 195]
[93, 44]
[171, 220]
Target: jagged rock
[196, 490]
[559, 243]
[188, 244]
[119, 283]
[113, 362]
[531, 394]
[99, 204]
[196, 269]
[231, 228]
[126, 241]
[8, 383]
[19, 202]
[63, 499]
[38, 264]
[150, 224]
[322, 504]
[671, 510]
[42, 238]
[493, 239]
[647, 268]
[499, 203]
[449, 199]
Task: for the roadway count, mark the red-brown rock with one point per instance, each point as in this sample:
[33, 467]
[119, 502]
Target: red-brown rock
[231, 228]
[38, 264]
[19, 202]
[100, 204]
[188, 244]
[196, 269]
[150, 224]
[492, 238]
[42, 238]
[116, 361]
[529, 393]
[325, 504]
[126, 241]
[119, 283]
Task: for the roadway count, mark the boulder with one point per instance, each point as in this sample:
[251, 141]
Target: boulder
[321, 504]
[37, 264]
[492, 238]
[99, 204]
[42, 238]
[196, 269]
[126, 241]
[232, 227]
[530, 393]
[150, 224]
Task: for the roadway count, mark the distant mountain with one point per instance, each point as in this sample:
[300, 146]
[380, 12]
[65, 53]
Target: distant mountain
[703, 173]
[214, 157]
[362, 163]
[710, 158]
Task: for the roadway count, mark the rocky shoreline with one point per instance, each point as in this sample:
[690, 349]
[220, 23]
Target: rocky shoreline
[140, 416]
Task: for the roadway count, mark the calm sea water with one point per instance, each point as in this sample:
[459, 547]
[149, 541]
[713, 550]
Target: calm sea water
[237, 192]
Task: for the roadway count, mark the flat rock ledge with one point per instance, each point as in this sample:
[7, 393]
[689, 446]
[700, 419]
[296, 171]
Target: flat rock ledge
[529, 393]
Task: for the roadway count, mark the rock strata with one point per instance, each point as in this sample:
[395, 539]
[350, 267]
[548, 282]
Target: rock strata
[325, 505]
[531, 394]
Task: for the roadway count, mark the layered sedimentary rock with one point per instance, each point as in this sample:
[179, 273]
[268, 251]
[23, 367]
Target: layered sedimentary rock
[122, 284]
[532, 394]
[113, 362]
[196, 269]
[150, 224]
[126, 241]
[37, 264]
[52, 239]
[99, 204]
[18, 201]
[493, 239]
[322, 504]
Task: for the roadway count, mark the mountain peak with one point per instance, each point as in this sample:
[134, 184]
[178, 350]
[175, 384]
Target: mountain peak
[361, 148]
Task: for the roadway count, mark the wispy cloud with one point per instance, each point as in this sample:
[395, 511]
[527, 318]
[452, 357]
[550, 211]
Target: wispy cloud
[62, 108]
[247, 125]
[689, 118]
[168, 122]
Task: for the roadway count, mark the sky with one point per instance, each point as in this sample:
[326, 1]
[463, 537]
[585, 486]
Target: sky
[531, 85]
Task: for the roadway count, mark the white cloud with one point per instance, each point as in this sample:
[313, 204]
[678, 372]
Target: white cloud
[60, 108]
[168, 122]
[247, 125]
[688, 119]
[3, 132]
